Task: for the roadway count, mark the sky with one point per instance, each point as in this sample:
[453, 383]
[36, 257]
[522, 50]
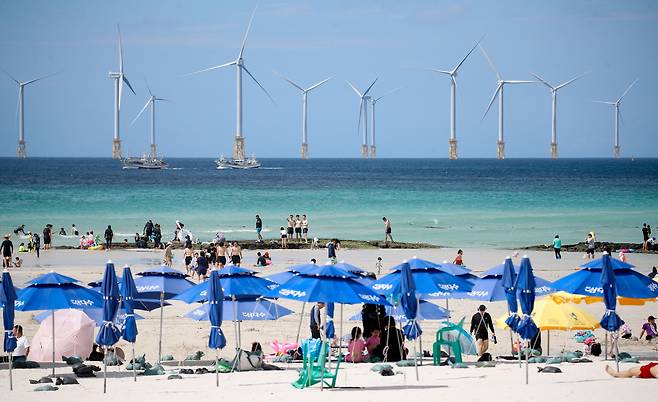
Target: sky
[71, 113]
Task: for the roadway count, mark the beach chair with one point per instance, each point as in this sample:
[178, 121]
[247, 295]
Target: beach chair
[452, 342]
[312, 368]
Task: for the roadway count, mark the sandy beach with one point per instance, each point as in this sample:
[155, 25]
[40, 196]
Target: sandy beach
[183, 336]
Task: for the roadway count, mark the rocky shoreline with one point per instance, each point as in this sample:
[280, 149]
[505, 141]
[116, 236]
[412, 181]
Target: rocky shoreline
[581, 247]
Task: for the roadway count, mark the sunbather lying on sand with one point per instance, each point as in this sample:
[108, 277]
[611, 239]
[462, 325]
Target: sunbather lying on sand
[647, 371]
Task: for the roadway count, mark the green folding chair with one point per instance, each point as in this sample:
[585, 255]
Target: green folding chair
[443, 339]
[312, 370]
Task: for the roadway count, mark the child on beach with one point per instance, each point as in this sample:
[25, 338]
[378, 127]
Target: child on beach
[18, 262]
[378, 265]
[284, 238]
[373, 341]
[356, 347]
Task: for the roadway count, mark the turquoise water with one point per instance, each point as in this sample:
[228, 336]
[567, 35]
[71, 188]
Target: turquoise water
[469, 202]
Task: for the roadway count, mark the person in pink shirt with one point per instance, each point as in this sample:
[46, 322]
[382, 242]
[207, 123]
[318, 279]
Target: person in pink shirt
[356, 347]
[373, 341]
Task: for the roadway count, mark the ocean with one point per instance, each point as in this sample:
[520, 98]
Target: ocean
[463, 203]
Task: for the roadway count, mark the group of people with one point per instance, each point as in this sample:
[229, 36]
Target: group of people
[296, 230]
[648, 241]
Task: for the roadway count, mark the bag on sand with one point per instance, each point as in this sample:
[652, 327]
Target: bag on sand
[247, 361]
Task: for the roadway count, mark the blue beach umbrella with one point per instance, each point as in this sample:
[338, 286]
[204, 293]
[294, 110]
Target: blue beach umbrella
[602, 262]
[525, 285]
[330, 330]
[216, 340]
[129, 330]
[236, 282]
[490, 287]
[95, 314]
[508, 282]
[247, 310]
[431, 283]
[610, 321]
[427, 311]
[7, 298]
[109, 334]
[162, 283]
[53, 291]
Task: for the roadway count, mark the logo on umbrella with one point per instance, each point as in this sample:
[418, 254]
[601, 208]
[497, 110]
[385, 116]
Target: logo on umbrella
[147, 288]
[82, 302]
[292, 292]
[593, 290]
[373, 298]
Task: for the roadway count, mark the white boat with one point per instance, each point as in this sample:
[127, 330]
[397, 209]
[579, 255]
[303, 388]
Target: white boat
[144, 162]
[250, 163]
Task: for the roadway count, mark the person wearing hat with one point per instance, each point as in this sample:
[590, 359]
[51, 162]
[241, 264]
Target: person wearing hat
[7, 248]
[649, 328]
[479, 323]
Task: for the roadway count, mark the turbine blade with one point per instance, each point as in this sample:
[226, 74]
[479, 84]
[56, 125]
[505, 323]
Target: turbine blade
[358, 126]
[162, 99]
[140, 112]
[244, 40]
[230, 63]
[370, 87]
[148, 87]
[120, 50]
[604, 102]
[441, 71]
[10, 76]
[519, 82]
[493, 67]
[39, 79]
[621, 117]
[454, 70]
[319, 83]
[627, 89]
[355, 90]
[570, 81]
[290, 81]
[123, 77]
[256, 81]
[543, 81]
[493, 98]
[388, 93]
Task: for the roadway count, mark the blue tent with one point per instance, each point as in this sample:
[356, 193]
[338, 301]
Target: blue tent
[216, 340]
[426, 311]
[247, 310]
[508, 282]
[431, 283]
[7, 299]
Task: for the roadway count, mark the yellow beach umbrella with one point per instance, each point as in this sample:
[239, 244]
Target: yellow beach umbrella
[564, 297]
[550, 313]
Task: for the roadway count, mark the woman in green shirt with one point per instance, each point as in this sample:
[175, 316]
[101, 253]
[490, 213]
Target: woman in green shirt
[557, 245]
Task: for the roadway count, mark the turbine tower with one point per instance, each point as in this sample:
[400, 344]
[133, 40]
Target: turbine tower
[21, 112]
[119, 78]
[238, 149]
[617, 104]
[554, 90]
[373, 102]
[500, 152]
[151, 101]
[452, 141]
[363, 111]
[305, 111]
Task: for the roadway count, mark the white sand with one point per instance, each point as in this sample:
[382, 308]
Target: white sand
[183, 336]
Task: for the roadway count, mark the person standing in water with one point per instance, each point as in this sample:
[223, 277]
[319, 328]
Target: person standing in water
[557, 246]
[259, 228]
[74, 230]
[148, 229]
[388, 230]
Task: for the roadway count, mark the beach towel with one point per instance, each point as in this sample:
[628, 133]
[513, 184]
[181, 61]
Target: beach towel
[46, 387]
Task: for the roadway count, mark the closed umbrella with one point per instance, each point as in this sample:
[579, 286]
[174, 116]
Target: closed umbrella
[108, 334]
[610, 321]
[216, 340]
[129, 330]
[7, 299]
[525, 285]
[409, 303]
[508, 281]
[163, 283]
[53, 291]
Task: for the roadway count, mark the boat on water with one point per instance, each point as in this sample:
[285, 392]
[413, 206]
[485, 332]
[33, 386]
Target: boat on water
[249, 163]
[144, 162]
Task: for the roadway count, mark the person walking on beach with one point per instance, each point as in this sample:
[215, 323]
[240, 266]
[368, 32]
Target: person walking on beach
[316, 320]
[332, 247]
[459, 260]
[387, 230]
[221, 254]
[259, 228]
[188, 253]
[305, 228]
[7, 248]
[557, 246]
[480, 321]
[590, 242]
[236, 254]
[168, 255]
[109, 234]
[298, 228]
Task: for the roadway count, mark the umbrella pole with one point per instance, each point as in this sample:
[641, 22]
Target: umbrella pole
[105, 371]
[420, 343]
[134, 372]
[217, 367]
[340, 333]
[527, 351]
[548, 343]
[161, 316]
[416, 351]
[299, 328]
[11, 363]
[447, 308]
[387, 337]
[235, 328]
[605, 350]
[616, 344]
[322, 356]
[518, 340]
[52, 316]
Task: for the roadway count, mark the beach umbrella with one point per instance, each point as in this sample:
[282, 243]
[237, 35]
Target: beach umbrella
[610, 321]
[624, 301]
[95, 314]
[163, 283]
[409, 303]
[216, 340]
[108, 334]
[236, 282]
[53, 291]
[7, 298]
[490, 287]
[458, 270]
[129, 329]
[508, 282]
[525, 285]
[330, 328]
[139, 303]
[247, 310]
[74, 335]
[601, 262]
[427, 311]
[431, 283]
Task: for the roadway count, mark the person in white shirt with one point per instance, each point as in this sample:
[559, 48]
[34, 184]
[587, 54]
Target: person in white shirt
[22, 345]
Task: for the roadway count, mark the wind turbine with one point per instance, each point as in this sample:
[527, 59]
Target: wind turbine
[305, 111]
[500, 153]
[238, 150]
[554, 90]
[21, 112]
[452, 142]
[119, 78]
[373, 101]
[617, 104]
[363, 111]
[151, 101]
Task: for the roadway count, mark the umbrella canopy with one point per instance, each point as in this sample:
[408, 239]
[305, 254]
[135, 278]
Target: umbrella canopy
[8, 297]
[52, 278]
[109, 334]
[128, 292]
[330, 331]
[600, 263]
[624, 301]
[53, 291]
[235, 281]
[350, 268]
[629, 283]
[490, 287]
[525, 285]
[610, 321]
[215, 313]
[551, 314]
[508, 282]
[73, 335]
[409, 303]
[95, 314]
[163, 280]
[431, 283]
[426, 311]
[247, 310]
